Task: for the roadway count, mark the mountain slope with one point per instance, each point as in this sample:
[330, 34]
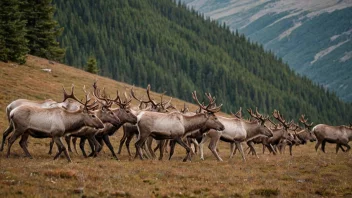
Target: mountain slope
[313, 37]
[177, 51]
[29, 81]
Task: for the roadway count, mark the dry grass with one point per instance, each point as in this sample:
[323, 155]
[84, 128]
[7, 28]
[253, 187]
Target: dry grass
[306, 174]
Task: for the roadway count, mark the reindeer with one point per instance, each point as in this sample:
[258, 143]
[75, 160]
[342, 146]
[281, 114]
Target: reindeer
[49, 103]
[305, 134]
[340, 135]
[125, 115]
[129, 130]
[107, 116]
[262, 139]
[53, 122]
[236, 131]
[175, 125]
[283, 137]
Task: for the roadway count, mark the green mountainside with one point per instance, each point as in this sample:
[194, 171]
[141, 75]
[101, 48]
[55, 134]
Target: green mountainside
[313, 37]
[176, 50]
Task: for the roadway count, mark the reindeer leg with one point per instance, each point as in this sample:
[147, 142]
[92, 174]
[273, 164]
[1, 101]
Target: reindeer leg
[166, 146]
[81, 145]
[172, 148]
[122, 141]
[251, 146]
[264, 148]
[337, 148]
[239, 146]
[158, 145]
[23, 145]
[101, 142]
[107, 142]
[93, 148]
[184, 145]
[271, 149]
[6, 133]
[96, 145]
[139, 143]
[323, 146]
[74, 140]
[345, 143]
[149, 143]
[290, 146]
[51, 145]
[201, 145]
[161, 146]
[213, 145]
[196, 145]
[232, 149]
[61, 148]
[128, 140]
[68, 142]
[317, 145]
[12, 139]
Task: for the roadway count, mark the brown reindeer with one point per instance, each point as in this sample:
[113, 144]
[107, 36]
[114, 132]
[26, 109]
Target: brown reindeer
[264, 140]
[283, 136]
[339, 135]
[124, 113]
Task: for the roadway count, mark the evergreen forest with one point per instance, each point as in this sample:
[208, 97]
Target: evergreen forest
[177, 50]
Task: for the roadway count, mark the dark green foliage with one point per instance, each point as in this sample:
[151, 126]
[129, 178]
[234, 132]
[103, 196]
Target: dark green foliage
[42, 29]
[13, 45]
[175, 50]
[92, 65]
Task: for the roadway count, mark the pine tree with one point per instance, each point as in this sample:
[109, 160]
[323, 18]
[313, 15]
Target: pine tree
[13, 44]
[42, 29]
[92, 65]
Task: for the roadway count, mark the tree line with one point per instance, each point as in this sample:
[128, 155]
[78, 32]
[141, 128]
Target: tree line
[28, 27]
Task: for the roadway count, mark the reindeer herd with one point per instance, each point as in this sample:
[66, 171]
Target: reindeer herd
[96, 120]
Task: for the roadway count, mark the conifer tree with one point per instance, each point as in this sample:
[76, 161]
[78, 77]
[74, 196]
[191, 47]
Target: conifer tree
[42, 29]
[13, 44]
[92, 65]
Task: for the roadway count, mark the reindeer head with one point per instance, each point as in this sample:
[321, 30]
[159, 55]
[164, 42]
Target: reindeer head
[89, 116]
[210, 111]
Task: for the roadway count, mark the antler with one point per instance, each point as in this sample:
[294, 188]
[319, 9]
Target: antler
[72, 96]
[304, 121]
[279, 117]
[185, 108]
[238, 114]
[139, 100]
[258, 116]
[148, 94]
[166, 104]
[210, 107]
[107, 102]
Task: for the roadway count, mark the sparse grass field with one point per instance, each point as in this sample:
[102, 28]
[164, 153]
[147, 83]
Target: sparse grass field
[306, 174]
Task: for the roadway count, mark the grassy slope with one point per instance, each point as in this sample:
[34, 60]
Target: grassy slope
[307, 173]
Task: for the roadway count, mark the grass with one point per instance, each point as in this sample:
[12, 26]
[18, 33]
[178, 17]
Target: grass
[305, 174]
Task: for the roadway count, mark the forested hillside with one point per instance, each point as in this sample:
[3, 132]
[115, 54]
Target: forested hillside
[176, 50]
[313, 37]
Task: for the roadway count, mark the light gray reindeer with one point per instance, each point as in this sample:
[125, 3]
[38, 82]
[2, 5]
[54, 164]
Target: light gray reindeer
[236, 131]
[175, 125]
[49, 103]
[131, 130]
[53, 122]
